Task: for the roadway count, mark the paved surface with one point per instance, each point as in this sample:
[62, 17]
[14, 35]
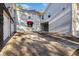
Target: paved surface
[34, 44]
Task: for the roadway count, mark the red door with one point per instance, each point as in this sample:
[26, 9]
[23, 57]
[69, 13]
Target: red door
[30, 23]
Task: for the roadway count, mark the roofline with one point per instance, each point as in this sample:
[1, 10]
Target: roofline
[6, 10]
[28, 11]
[47, 8]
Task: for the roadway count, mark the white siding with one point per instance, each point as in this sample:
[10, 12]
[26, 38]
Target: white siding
[12, 28]
[23, 17]
[55, 9]
[6, 26]
[11, 7]
[36, 25]
[61, 17]
[61, 23]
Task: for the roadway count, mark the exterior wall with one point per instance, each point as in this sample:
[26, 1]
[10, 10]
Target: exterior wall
[36, 20]
[6, 26]
[75, 20]
[8, 21]
[61, 17]
[74, 17]
[12, 27]
[11, 7]
[21, 22]
[61, 24]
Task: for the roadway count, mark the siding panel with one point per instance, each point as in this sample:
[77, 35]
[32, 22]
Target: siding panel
[6, 26]
[62, 25]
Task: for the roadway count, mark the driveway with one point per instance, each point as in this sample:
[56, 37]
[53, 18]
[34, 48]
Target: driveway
[36, 44]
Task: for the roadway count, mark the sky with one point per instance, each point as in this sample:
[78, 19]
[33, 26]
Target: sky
[36, 6]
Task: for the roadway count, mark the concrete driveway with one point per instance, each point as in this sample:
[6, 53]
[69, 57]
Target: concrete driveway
[36, 44]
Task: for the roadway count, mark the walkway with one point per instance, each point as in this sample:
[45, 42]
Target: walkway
[37, 44]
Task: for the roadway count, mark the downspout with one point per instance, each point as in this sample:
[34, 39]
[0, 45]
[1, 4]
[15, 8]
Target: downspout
[10, 27]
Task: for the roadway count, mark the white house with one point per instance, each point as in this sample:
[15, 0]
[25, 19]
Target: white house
[59, 18]
[27, 15]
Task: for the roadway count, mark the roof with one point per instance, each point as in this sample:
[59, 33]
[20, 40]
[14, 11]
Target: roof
[19, 8]
[47, 8]
[31, 11]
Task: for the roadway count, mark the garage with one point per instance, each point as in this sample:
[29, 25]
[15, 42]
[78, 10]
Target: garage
[45, 26]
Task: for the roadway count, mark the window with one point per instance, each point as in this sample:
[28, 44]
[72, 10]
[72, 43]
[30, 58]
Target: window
[63, 8]
[49, 16]
[42, 17]
[29, 17]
